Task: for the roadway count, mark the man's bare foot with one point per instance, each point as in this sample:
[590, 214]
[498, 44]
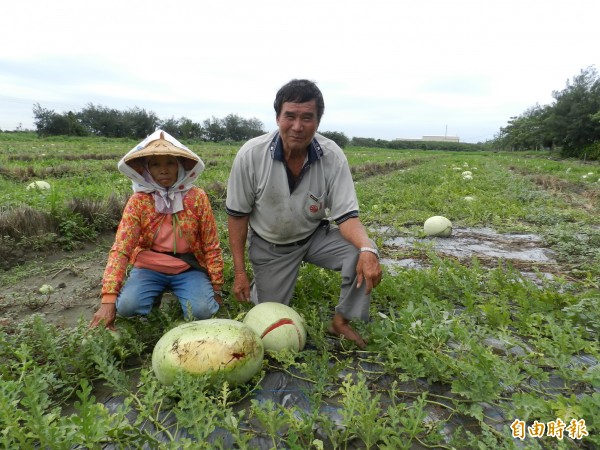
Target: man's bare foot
[341, 327]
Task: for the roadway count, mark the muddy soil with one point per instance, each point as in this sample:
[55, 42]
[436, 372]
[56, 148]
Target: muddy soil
[75, 277]
[525, 252]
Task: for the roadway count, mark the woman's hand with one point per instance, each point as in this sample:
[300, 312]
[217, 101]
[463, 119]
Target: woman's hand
[105, 315]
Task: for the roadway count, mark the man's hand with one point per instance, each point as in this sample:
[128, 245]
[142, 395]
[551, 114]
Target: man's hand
[241, 286]
[105, 315]
[238, 233]
[341, 327]
[368, 271]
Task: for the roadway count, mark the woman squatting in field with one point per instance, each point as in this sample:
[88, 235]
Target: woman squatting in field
[167, 233]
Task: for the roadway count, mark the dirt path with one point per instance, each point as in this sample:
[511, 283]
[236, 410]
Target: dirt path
[74, 276]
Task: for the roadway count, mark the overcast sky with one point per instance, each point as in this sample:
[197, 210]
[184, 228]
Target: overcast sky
[387, 68]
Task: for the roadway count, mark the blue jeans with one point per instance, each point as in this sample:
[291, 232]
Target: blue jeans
[143, 286]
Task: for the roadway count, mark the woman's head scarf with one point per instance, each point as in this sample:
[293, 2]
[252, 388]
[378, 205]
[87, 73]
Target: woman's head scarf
[134, 165]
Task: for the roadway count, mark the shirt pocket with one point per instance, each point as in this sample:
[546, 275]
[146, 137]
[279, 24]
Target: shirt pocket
[314, 207]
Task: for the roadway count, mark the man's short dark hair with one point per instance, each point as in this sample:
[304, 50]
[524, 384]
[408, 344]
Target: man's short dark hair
[299, 91]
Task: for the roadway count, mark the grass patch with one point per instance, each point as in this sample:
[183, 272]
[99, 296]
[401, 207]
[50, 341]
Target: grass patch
[458, 350]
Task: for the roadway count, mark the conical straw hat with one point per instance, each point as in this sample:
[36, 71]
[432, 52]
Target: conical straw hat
[161, 146]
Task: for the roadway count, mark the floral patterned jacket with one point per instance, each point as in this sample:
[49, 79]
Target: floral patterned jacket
[139, 225]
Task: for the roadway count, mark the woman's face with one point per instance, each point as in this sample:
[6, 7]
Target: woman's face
[163, 169]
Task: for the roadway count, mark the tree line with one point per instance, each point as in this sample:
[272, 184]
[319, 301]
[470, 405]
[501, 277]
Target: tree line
[137, 123]
[571, 124]
[399, 144]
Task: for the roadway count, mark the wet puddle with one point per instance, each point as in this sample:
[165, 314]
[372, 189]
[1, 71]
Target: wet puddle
[482, 243]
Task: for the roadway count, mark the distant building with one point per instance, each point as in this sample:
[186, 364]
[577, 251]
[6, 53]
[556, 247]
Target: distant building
[432, 138]
[441, 138]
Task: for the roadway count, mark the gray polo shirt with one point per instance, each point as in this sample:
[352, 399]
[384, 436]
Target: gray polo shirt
[280, 212]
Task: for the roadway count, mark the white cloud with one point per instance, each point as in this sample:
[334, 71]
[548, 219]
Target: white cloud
[387, 68]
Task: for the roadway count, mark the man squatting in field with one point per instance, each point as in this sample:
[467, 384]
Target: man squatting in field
[283, 188]
[168, 232]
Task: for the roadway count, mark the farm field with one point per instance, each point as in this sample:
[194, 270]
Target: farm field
[486, 339]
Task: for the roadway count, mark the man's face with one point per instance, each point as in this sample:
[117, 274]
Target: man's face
[297, 124]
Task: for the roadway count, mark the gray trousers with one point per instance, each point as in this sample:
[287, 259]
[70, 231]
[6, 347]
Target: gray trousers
[276, 270]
